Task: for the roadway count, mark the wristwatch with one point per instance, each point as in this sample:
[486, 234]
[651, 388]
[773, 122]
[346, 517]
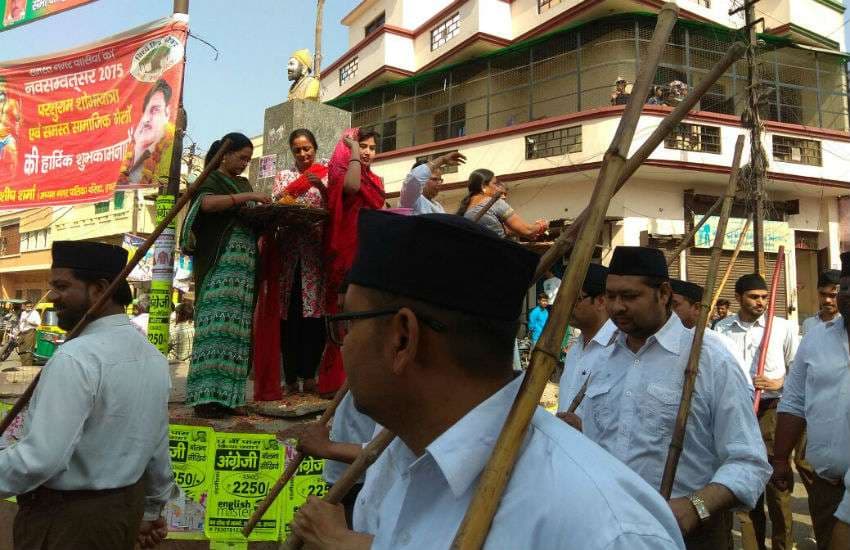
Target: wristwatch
[700, 507]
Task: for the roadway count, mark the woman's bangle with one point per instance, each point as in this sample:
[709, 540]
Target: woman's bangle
[354, 160]
[233, 199]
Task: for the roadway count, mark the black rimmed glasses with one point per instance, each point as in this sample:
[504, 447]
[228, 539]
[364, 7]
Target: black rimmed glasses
[337, 326]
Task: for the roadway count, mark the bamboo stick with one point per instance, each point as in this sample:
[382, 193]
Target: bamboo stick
[741, 239]
[291, 468]
[341, 488]
[692, 369]
[120, 278]
[771, 309]
[475, 526]
[686, 240]
[566, 240]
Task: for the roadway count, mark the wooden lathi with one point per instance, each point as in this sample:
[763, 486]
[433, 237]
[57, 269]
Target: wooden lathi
[281, 216]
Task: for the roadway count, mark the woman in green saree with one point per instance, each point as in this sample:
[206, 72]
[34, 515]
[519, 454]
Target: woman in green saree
[225, 253]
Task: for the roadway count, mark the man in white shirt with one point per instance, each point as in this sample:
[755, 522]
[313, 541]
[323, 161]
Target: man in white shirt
[428, 355]
[827, 300]
[591, 317]
[92, 465]
[422, 184]
[30, 320]
[816, 398]
[634, 395]
[746, 329]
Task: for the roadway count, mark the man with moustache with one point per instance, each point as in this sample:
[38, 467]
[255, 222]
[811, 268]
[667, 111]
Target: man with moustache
[634, 395]
[687, 297]
[151, 131]
[827, 300]
[422, 184]
[92, 469]
[746, 330]
[816, 398]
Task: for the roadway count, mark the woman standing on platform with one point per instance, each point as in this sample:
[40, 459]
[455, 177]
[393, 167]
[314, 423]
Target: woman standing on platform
[352, 187]
[483, 185]
[225, 253]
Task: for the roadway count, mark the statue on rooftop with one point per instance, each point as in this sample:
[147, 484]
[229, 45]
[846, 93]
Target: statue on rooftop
[299, 69]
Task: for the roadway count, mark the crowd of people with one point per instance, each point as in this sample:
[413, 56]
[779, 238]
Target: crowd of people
[406, 305]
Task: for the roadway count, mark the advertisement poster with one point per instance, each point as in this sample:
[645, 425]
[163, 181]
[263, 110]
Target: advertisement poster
[267, 166]
[75, 125]
[19, 12]
[245, 467]
[307, 481]
[191, 458]
[776, 234]
[143, 270]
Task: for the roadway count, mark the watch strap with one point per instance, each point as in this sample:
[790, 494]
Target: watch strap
[699, 505]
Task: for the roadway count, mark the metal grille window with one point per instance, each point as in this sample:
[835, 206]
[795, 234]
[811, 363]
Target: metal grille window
[376, 24]
[798, 150]
[554, 143]
[446, 169]
[445, 31]
[347, 71]
[694, 137]
[101, 207]
[543, 5]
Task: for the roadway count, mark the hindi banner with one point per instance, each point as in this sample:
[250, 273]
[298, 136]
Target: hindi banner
[75, 125]
[18, 12]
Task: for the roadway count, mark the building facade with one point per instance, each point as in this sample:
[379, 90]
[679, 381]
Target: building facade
[526, 88]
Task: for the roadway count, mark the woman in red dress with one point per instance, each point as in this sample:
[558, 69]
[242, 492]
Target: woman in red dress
[351, 186]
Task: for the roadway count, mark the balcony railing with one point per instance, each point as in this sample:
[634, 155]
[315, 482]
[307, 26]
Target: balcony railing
[576, 70]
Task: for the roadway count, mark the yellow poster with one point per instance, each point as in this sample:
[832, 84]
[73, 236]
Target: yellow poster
[191, 450]
[307, 481]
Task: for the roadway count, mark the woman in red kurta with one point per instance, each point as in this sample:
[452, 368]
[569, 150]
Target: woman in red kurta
[352, 186]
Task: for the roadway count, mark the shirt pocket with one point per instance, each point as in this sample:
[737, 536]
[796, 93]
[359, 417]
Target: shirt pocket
[598, 401]
[659, 408]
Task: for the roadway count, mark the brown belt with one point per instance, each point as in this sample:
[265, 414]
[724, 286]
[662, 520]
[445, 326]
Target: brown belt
[44, 495]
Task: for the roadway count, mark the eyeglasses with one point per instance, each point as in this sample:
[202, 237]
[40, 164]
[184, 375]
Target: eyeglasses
[337, 326]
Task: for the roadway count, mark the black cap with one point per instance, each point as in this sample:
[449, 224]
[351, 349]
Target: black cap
[638, 260]
[103, 260]
[594, 281]
[845, 264]
[445, 260]
[829, 277]
[689, 290]
[752, 281]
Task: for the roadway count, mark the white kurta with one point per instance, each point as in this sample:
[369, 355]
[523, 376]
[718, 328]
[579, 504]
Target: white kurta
[98, 419]
[565, 492]
[578, 361]
[632, 401]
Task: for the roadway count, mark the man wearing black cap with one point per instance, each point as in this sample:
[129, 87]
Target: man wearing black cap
[816, 398]
[687, 297]
[746, 330]
[634, 395]
[827, 300]
[93, 462]
[428, 355]
[591, 317]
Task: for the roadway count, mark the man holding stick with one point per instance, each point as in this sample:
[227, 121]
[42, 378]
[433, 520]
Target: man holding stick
[632, 401]
[747, 329]
[93, 463]
[817, 399]
[591, 317]
[428, 355]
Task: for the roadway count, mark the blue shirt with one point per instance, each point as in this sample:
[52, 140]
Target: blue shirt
[631, 405]
[536, 321]
[818, 390]
[564, 493]
[411, 192]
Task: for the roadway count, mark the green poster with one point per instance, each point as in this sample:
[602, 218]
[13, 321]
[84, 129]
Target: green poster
[307, 481]
[191, 458]
[245, 467]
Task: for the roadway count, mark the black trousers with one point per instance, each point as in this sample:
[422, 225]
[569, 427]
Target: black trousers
[302, 339]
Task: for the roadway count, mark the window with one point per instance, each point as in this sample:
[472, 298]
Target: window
[34, 240]
[798, 150]
[388, 136]
[347, 71]
[10, 240]
[450, 123]
[544, 5]
[694, 137]
[554, 143]
[432, 156]
[376, 24]
[101, 207]
[445, 31]
[119, 200]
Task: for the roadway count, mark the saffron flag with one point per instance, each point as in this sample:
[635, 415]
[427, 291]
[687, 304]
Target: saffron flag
[76, 125]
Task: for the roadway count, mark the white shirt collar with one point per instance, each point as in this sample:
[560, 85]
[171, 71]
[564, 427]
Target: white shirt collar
[668, 336]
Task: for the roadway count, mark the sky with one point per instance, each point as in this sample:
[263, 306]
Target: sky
[254, 39]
